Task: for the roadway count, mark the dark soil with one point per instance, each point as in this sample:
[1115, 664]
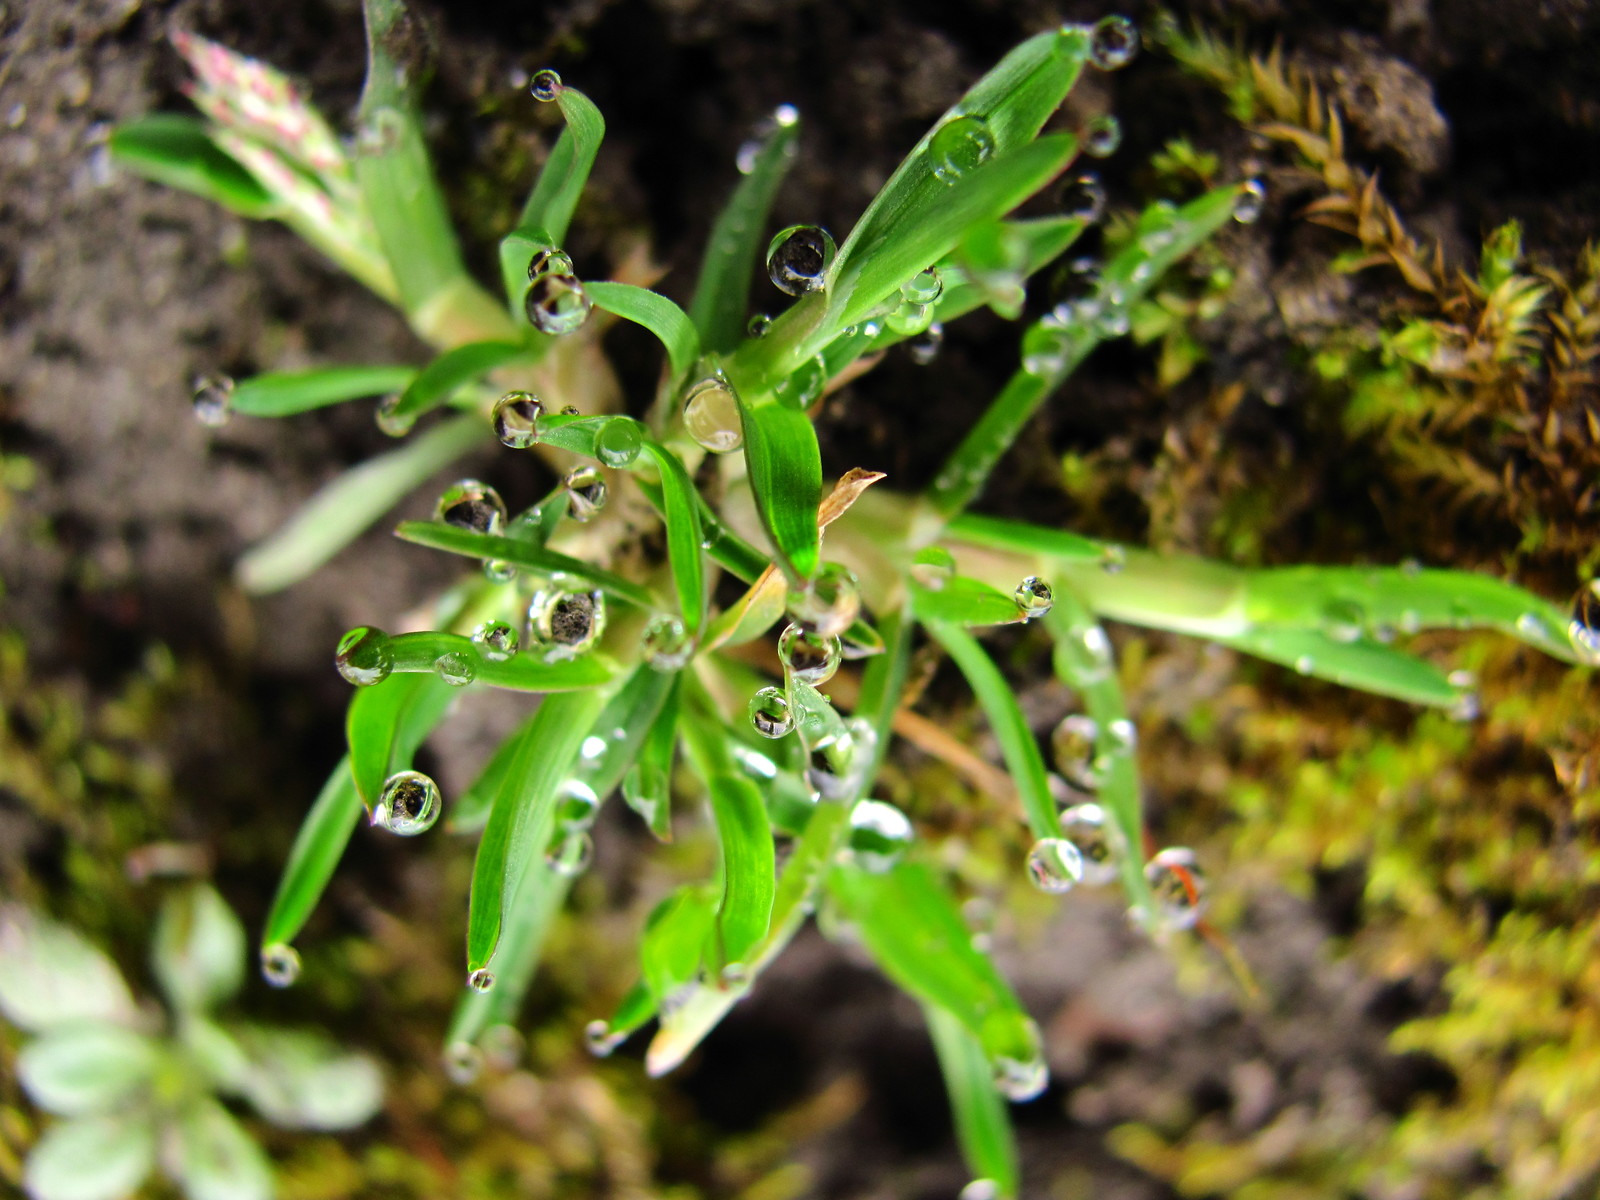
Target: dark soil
[115, 293]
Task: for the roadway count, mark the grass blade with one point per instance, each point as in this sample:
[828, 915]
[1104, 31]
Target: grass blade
[317, 848]
[785, 465]
[521, 819]
[548, 211]
[285, 393]
[963, 601]
[452, 370]
[1368, 665]
[1001, 534]
[523, 555]
[983, 1126]
[680, 506]
[648, 786]
[670, 324]
[470, 812]
[747, 865]
[999, 703]
[385, 724]
[344, 508]
[675, 938]
[177, 150]
[722, 294]
[419, 653]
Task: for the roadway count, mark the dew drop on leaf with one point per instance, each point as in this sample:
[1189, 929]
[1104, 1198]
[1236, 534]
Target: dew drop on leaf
[1113, 42]
[711, 415]
[1034, 597]
[280, 964]
[760, 325]
[958, 146]
[770, 713]
[1344, 620]
[1055, 865]
[549, 260]
[933, 567]
[456, 668]
[1178, 886]
[408, 805]
[586, 492]
[980, 1189]
[807, 656]
[1102, 136]
[600, 1040]
[798, 258]
[830, 603]
[497, 641]
[879, 835]
[1252, 199]
[1020, 1079]
[804, 384]
[576, 805]
[389, 421]
[619, 442]
[908, 319]
[1074, 743]
[570, 853]
[924, 348]
[556, 304]
[1584, 628]
[213, 400]
[831, 763]
[481, 980]
[1083, 198]
[546, 86]
[516, 419]
[923, 288]
[364, 656]
[667, 646]
[470, 504]
[1089, 828]
[566, 622]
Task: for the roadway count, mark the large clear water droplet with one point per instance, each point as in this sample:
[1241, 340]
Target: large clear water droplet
[923, 288]
[388, 419]
[576, 805]
[1344, 620]
[1113, 42]
[280, 964]
[711, 415]
[1055, 865]
[516, 419]
[1178, 886]
[809, 657]
[1074, 744]
[1252, 199]
[455, 667]
[924, 348]
[958, 146]
[497, 641]
[908, 319]
[830, 604]
[798, 258]
[1583, 630]
[570, 853]
[557, 304]
[499, 570]
[470, 504]
[586, 492]
[805, 384]
[1034, 597]
[213, 400]
[481, 980]
[1020, 1079]
[600, 1040]
[564, 621]
[933, 567]
[546, 86]
[408, 805]
[879, 835]
[364, 656]
[1089, 828]
[549, 260]
[1083, 198]
[1102, 136]
[770, 713]
[619, 442]
[831, 763]
[667, 645]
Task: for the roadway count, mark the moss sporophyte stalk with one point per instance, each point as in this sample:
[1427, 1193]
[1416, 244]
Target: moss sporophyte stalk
[601, 595]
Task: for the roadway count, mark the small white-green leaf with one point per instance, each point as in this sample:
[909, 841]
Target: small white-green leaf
[301, 1080]
[50, 976]
[199, 950]
[215, 1159]
[91, 1158]
[85, 1069]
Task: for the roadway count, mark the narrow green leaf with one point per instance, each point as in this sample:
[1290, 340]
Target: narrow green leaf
[284, 393]
[670, 324]
[748, 866]
[1002, 534]
[722, 294]
[317, 849]
[520, 822]
[625, 727]
[1365, 664]
[963, 601]
[549, 207]
[345, 507]
[452, 370]
[785, 465]
[1010, 726]
[386, 723]
[470, 812]
[418, 653]
[674, 941]
[523, 555]
[983, 1126]
[681, 510]
[177, 151]
[647, 787]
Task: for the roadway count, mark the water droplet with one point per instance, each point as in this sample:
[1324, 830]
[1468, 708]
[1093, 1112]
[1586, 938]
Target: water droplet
[1121, 736]
[1467, 706]
[1305, 664]
[804, 384]
[770, 712]
[1034, 597]
[749, 152]
[556, 304]
[570, 410]
[619, 442]
[1113, 559]
[408, 805]
[754, 763]
[711, 415]
[1083, 199]
[463, 1063]
[1020, 1079]
[1089, 828]
[879, 835]
[923, 288]
[958, 146]
[456, 668]
[980, 1189]
[760, 325]
[389, 421]
[516, 419]
[597, 1036]
[933, 567]
[830, 765]
[799, 257]
[469, 504]
[546, 86]
[1584, 628]
[566, 622]
[809, 657]
[1179, 887]
[213, 400]
[1252, 199]
[1531, 625]
[1073, 744]
[1113, 42]
[576, 805]
[364, 656]
[1410, 621]
[549, 260]
[280, 964]
[1344, 620]
[586, 492]
[570, 853]
[1086, 655]
[1055, 865]
[830, 604]
[481, 980]
[1043, 351]
[1102, 136]
[1114, 321]
[498, 570]
[924, 348]
[496, 640]
[644, 789]
[667, 645]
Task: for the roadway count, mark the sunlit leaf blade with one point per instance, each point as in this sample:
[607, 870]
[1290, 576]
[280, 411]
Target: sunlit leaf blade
[1043, 240]
[521, 819]
[625, 727]
[674, 939]
[317, 849]
[1010, 726]
[386, 723]
[523, 555]
[471, 809]
[420, 653]
[722, 294]
[670, 324]
[284, 393]
[649, 790]
[780, 449]
[747, 865]
[177, 151]
[450, 371]
[345, 507]
[92, 1158]
[681, 510]
[1003, 534]
[569, 432]
[962, 601]
[983, 1126]
[1365, 664]
[549, 207]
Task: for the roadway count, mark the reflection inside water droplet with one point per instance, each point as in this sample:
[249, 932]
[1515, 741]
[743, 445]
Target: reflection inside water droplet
[1179, 887]
[711, 415]
[586, 492]
[619, 442]
[1102, 136]
[1089, 828]
[830, 604]
[933, 567]
[456, 668]
[959, 146]
[570, 853]
[556, 304]
[565, 622]
[799, 257]
[546, 86]
[1074, 744]
[213, 400]
[1584, 628]
[470, 504]
[1055, 865]
[481, 980]
[516, 419]
[809, 657]
[364, 656]
[280, 964]
[1034, 597]
[497, 641]
[667, 645]
[879, 835]
[408, 805]
[1113, 42]
[770, 713]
